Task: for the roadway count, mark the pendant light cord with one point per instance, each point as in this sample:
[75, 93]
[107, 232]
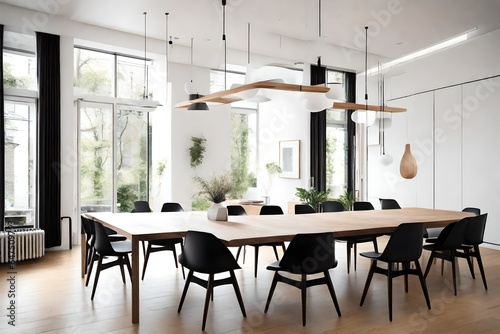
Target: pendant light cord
[319, 18]
[168, 42]
[144, 93]
[224, 41]
[366, 67]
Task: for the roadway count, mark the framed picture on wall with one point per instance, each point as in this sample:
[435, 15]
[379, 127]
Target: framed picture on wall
[290, 159]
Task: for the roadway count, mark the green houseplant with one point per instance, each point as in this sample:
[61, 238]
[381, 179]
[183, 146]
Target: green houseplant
[347, 200]
[197, 150]
[312, 197]
[215, 190]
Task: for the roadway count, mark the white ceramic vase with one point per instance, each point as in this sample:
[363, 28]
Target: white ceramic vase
[217, 211]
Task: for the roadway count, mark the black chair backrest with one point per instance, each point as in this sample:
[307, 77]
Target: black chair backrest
[102, 243]
[405, 243]
[475, 211]
[332, 206]
[271, 210]
[204, 253]
[171, 207]
[303, 208]
[474, 231]
[309, 253]
[141, 206]
[361, 206]
[452, 236]
[389, 203]
[236, 210]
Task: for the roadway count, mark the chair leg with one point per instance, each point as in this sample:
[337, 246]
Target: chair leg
[375, 244]
[355, 255]
[368, 281]
[210, 287]
[120, 261]
[303, 294]
[480, 265]
[89, 272]
[238, 253]
[129, 268]
[283, 247]
[96, 279]
[256, 260]
[329, 284]
[238, 293]
[244, 253]
[429, 264]
[174, 253]
[182, 267]
[423, 284]
[146, 259]
[389, 289]
[271, 291]
[453, 270]
[276, 253]
[184, 291]
[468, 256]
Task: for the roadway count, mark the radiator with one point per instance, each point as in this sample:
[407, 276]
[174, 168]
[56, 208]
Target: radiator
[21, 244]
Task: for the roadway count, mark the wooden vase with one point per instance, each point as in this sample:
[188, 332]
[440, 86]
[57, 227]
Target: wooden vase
[408, 166]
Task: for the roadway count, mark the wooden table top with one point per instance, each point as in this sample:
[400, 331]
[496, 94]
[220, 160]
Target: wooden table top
[252, 229]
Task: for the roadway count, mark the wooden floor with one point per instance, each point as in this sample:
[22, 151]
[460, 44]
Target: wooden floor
[52, 298]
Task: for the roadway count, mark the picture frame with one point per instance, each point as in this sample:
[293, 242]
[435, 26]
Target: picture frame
[290, 159]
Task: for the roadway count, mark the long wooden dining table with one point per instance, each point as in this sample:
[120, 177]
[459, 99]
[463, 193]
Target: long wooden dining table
[254, 229]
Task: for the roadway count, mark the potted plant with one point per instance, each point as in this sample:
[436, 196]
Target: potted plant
[312, 197]
[272, 170]
[215, 189]
[347, 200]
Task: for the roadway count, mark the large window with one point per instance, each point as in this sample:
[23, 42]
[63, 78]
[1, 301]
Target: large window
[115, 145]
[20, 160]
[336, 142]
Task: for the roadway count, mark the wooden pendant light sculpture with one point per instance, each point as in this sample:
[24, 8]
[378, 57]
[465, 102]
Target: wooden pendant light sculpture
[408, 166]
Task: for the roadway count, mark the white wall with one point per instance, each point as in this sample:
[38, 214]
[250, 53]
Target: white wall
[452, 132]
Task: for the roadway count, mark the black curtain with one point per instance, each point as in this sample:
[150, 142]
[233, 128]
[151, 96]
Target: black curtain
[318, 134]
[350, 80]
[49, 137]
[2, 140]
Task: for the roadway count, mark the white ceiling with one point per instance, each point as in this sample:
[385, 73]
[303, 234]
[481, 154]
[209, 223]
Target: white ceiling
[396, 28]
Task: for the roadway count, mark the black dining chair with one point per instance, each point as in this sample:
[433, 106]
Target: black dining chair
[160, 245]
[268, 210]
[332, 206]
[141, 206]
[91, 255]
[404, 246]
[307, 254]
[303, 209]
[205, 254]
[389, 204]
[352, 242]
[237, 210]
[473, 237]
[445, 246]
[105, 249]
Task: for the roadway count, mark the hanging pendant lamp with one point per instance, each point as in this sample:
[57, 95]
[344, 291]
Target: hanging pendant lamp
[408, 166]
[193, 94]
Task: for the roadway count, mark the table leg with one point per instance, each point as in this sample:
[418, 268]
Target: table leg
[135, 280]
[84, 253]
